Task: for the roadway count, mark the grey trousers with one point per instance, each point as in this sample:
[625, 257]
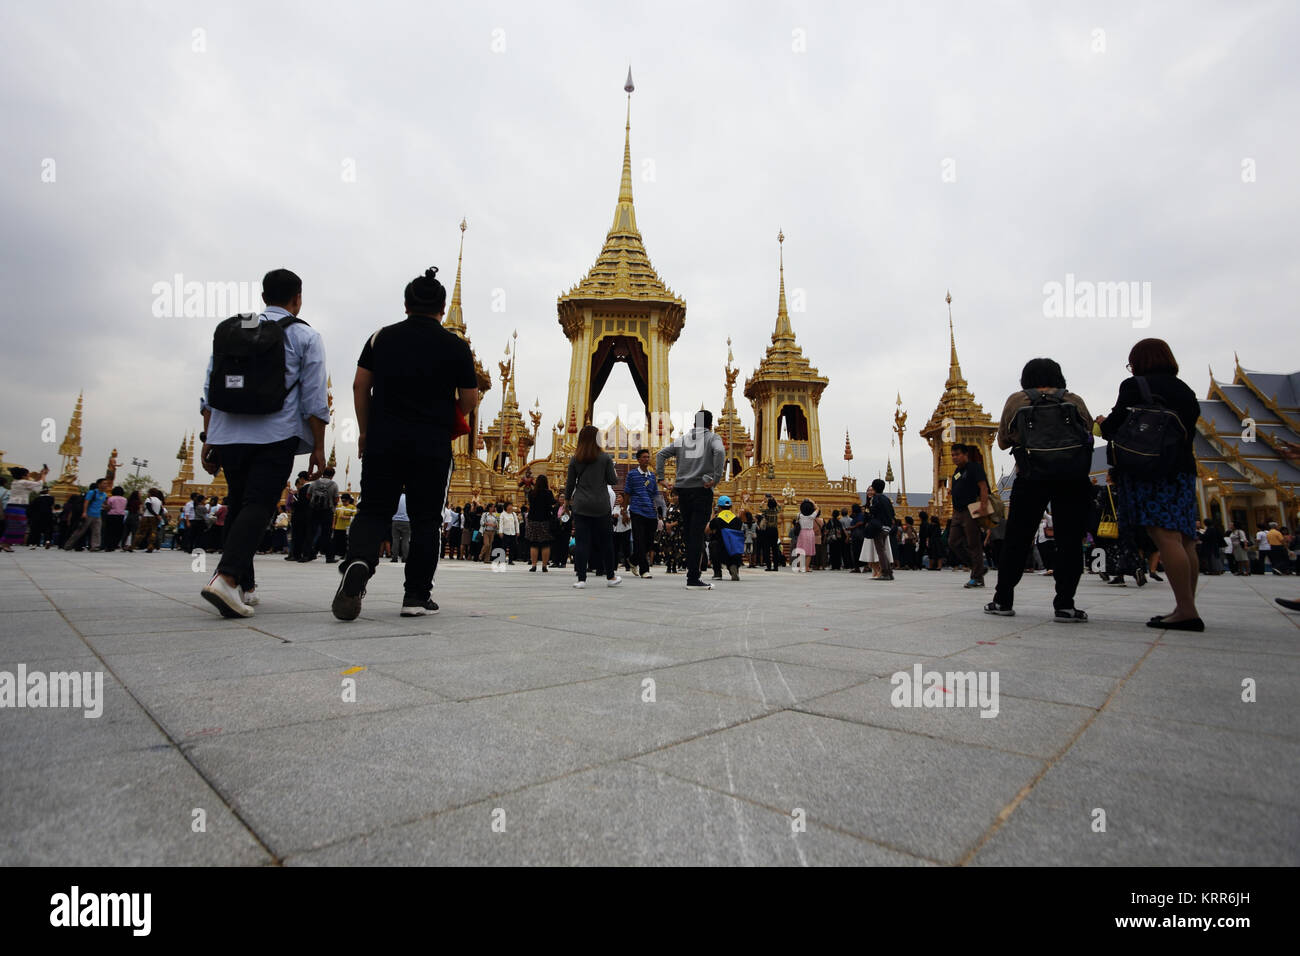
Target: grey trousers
[401, 539]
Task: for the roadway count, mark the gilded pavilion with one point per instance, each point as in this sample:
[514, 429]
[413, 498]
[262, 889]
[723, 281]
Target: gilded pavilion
[957, 418]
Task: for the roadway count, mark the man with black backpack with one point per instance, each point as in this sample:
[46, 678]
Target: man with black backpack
[264, 402]
[324, 496]
[1050, 432]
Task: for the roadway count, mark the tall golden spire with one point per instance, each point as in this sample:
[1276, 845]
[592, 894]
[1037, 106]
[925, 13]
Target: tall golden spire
[623, 269]
[625, 213]
[783, 328]
[954, 367]
[455, 321]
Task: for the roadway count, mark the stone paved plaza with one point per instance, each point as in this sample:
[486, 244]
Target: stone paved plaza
[512, 728]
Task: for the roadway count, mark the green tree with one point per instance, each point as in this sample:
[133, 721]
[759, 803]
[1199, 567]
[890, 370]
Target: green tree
[141, 484]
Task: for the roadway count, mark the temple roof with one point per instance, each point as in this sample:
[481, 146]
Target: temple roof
[784, 361]
[623, 270]
[957, 402]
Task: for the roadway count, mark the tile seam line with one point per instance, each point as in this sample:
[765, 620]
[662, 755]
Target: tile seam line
[1019, 798]
[275, 860]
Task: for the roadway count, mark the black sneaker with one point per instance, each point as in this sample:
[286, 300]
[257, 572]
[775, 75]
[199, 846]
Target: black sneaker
[1071, 616]
[993, 607]
[699, 585]
[352, 588]
[415, 609]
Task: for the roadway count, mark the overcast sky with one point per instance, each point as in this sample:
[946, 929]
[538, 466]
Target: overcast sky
[904, 148]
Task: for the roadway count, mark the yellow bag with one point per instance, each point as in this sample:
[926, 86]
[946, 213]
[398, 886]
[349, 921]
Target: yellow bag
[1109, 529]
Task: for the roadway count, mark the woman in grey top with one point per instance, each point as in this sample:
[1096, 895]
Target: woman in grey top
[587, 489]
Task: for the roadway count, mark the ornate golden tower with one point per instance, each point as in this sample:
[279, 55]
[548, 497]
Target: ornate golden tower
[470, 474]
[785, 392]
[957, 418]
[70, 452]
[621, 311]
[729, 427]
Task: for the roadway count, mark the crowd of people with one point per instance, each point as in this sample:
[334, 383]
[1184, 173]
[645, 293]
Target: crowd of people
[264, 402]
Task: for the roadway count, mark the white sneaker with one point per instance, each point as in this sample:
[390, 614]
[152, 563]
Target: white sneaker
[579, 584]
[613, 582]
[225, 598]
[250, 597]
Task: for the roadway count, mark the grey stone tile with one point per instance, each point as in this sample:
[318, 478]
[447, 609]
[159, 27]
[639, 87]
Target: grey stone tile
[308, 785]
[838, 657]
[211, 707]
[1019, 725]
[620, 815]
[1150, 821]
[926, 797]
[212, 663]
[1231, 763]
[133, 809]
[771, 683]
[612, 714]
[480, 675]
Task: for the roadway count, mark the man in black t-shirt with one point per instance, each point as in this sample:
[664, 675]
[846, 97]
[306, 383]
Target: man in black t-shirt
[969, 484]
[412, 380]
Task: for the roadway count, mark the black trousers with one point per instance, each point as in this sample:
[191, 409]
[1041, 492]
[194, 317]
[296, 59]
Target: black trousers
[324, 533]
[593, 534]
[1071, 500]
[384, 476]
[255, 475]
[696, 505]
[643, 541]
[304, 531]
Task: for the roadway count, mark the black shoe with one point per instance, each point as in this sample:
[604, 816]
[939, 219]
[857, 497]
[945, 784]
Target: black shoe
[1070, 616]
[352, 588]
[1156, 577]
[1289, 605]
[701, 585]
[1191, 624]
[534, 568]
[417, 609]
[994, 608]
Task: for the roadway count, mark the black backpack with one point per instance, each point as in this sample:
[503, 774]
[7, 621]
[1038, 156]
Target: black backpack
[248, 365]
[320, 497]
[1054, 440]
[1148, 442]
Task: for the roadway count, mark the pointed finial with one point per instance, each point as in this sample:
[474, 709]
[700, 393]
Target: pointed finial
[463, 225]
[783, 327]
[954, 367]
[628, 85]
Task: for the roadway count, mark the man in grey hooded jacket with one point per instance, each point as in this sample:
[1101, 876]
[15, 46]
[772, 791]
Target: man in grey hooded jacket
[700, 456]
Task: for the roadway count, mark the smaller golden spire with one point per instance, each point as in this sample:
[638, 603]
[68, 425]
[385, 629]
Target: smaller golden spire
[954, 366]
[455, 321]
[783, 328]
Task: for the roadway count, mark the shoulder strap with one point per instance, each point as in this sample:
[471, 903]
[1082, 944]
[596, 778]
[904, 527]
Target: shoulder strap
[1145, 389]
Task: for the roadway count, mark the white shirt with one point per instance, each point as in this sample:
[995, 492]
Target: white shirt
[1042, 530]
[619, 524]
[1262, 538]
[188, 511]
[508, 523]
[400, 514]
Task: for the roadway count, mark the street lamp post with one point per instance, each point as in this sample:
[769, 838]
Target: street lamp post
[139, 463]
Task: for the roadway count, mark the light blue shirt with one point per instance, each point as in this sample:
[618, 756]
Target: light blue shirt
[400, 514]
[304, 361]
